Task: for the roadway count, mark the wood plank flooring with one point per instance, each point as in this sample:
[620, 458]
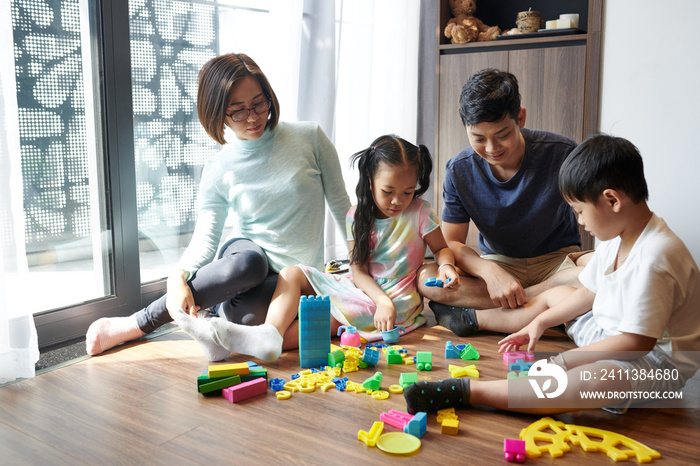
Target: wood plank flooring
[139, 404]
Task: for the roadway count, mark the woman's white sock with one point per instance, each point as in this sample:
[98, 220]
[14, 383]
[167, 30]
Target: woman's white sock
[201, 331]
[260, 341]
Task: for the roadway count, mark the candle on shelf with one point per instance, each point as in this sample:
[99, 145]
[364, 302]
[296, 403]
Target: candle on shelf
[551, 24]
[572, 17]
[564, 23]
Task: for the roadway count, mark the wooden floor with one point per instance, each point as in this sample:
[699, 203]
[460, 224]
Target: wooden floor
[139, 404]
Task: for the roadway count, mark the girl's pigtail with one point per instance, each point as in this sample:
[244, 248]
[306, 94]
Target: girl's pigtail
[364, 212]
[425, 168]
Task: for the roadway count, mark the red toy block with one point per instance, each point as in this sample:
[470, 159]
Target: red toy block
[245, 390]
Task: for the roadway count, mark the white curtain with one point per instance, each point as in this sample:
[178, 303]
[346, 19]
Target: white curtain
[19, 349]
[359, 78]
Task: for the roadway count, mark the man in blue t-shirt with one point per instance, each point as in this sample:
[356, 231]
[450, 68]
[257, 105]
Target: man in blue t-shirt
[506, 183]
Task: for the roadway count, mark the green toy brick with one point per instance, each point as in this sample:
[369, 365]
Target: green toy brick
[219, 384]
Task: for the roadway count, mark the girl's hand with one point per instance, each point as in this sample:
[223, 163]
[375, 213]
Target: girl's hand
[385, 317]
[529, 335]
[179, 295]
[449, 271]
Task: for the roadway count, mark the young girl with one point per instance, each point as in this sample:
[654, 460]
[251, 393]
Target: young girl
[390, 227]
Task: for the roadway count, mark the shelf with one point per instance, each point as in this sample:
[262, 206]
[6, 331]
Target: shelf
[541, 41]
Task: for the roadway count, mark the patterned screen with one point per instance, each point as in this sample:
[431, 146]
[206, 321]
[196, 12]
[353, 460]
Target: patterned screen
[170, 40]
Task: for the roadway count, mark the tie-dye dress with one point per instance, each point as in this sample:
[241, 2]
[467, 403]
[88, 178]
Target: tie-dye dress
[398, 253]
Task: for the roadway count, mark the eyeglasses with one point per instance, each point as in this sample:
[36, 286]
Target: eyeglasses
[242, 114]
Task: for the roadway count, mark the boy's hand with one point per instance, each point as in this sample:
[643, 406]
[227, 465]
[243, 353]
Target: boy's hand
[529, 336]
[385, 317]
[505, 290]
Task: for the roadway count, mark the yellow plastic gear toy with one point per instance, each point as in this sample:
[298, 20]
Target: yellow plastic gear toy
[538, 441]
[607, 442]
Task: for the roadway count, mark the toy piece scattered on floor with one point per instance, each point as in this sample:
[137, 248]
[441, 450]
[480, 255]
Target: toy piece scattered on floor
[545, 436]
[592, 439]
[392, 336]
[314, 330]
[448, 420]
[520, 365]
[396, 418]
[463, 371]
[514, 450]
[371, 356]
[469, 353]
[350, 337]
[516, 374]
[336, 358]
[514, 356]
[396, 389]
[451, 352]
[283, 395]
[374, 382]
[538, 440]
[277, 384]
[228, 370]
[398, 443]
[449, 426]
[436, 282]
[417, 425]
[245, 390]
[407, 378]
[424, 360]
[211, 386]
[370, 438]
[393, 356]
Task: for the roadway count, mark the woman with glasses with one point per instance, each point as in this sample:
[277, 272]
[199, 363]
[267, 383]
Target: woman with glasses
[274, 177]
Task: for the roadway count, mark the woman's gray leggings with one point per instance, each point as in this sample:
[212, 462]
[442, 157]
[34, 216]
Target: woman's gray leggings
[238, 286]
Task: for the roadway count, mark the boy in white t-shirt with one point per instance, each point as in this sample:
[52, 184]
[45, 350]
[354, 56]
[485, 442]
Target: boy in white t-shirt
[636, 319]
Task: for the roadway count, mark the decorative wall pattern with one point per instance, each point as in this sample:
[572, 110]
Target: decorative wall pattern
[170, 40]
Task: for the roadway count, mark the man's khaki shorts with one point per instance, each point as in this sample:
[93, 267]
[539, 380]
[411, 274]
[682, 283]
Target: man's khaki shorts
[534, 270]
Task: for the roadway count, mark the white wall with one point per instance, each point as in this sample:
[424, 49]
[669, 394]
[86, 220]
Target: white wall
[650, 95]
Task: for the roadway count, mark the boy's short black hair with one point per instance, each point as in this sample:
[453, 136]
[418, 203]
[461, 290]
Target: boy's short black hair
[489, 96]
[603, 162]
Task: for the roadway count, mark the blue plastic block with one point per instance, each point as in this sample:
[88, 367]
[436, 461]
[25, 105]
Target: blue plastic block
[417, 425]
[314, 330]
[451, 352]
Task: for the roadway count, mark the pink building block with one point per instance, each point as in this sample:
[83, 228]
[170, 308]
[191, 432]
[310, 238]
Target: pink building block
[514, 450]
[245, 390]
[513, 356]
[395, 418]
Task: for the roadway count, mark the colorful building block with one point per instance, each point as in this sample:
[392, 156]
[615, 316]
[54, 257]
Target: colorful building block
[451, 352]
[245, 390]
[219, 384]
[395, 418]
[447, 413]
[228, 370]
[513, 356]
[374, 382]
[424, 360]
[393, 356]
[466, 371]
[407, 378]
[449, 426]
[336, 358]
[515, 375]
[417, 425]
[514, 450]
[370, 438]
[277, 384]
[371, 356]
[520, 365]
[314, 330]
[469, 353]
